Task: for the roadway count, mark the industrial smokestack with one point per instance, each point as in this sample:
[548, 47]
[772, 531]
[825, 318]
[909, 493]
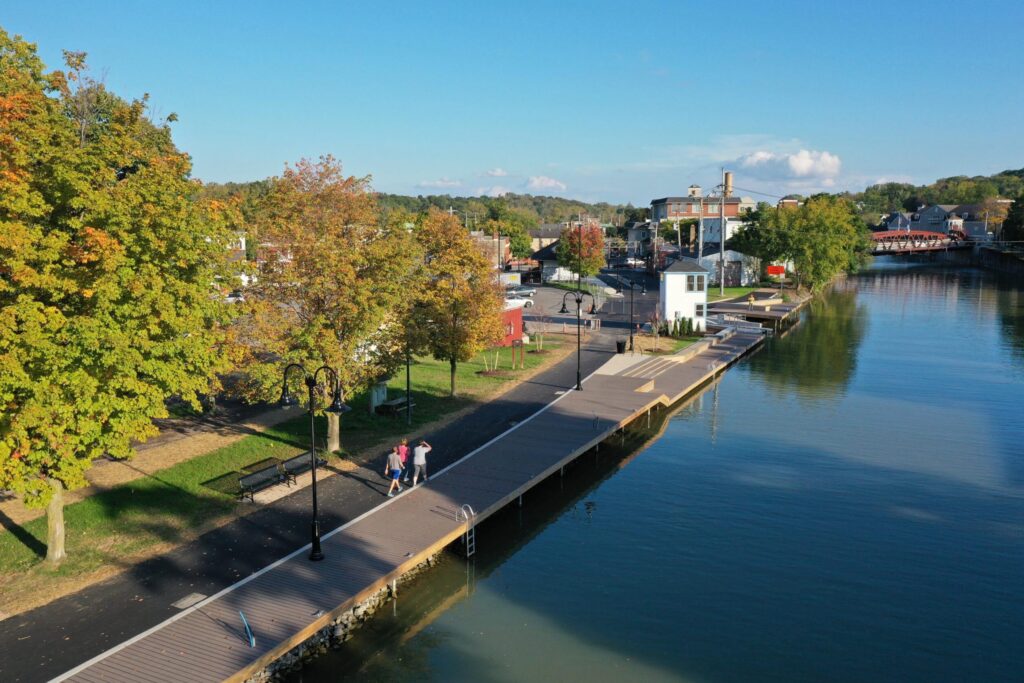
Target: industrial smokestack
[728, 183]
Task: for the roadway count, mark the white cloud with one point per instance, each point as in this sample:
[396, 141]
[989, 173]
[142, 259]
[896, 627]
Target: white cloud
[802, 165]
[493, 191]
[443, 182]
[497, 172]
[543, 182]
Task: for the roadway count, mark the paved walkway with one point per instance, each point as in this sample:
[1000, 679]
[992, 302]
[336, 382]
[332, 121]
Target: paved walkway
[291, 599]
[58, 636]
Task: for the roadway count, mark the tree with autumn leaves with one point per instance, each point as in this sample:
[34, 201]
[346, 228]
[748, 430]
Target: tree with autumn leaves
[332, 283]
[459, 305]
[581, 250]
[109, 278]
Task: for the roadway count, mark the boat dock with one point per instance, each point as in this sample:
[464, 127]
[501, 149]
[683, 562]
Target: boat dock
[293, 599]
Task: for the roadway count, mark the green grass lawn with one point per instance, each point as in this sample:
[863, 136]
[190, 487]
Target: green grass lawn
[572, 287]
[730, 292]
[135, 519]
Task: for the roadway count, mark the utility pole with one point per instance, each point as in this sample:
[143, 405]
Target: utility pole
[721, 236]
[700, 232]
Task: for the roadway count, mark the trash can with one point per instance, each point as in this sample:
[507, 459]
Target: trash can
[620, 346]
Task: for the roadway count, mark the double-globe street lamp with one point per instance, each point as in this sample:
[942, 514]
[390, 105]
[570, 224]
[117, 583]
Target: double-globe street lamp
[578, 296]
[337, 407]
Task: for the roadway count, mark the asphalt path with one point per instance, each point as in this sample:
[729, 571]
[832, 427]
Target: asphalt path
[45, 642]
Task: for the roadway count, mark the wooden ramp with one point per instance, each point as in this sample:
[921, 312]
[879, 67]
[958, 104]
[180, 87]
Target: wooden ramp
[289, 601]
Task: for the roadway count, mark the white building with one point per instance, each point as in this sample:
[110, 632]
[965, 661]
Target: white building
[741, 270]
[712, 229]
[684, 293]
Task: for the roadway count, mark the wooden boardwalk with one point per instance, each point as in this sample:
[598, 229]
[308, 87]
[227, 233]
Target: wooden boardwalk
[290, 600]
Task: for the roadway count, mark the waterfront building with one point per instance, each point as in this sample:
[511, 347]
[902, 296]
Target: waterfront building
[684, 293]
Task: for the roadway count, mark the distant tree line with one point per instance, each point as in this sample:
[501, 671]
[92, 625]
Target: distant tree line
[885, 198]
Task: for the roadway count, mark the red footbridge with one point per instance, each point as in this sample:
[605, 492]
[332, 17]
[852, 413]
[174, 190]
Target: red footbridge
[914, 241]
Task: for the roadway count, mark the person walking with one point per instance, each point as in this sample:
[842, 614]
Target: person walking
[419, 461]
[403, 453]
[393, 468]
[750, 302]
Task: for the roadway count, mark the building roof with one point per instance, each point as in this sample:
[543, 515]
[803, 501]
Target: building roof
[545, 230]
[547, 253]
[686, 265]
[663, 200]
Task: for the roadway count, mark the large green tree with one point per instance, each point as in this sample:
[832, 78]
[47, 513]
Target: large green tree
[1013, 225]
[109, 277]
[821, 238]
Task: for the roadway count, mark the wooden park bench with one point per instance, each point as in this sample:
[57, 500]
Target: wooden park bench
[259, 479]
[395, 406]
[297, 465]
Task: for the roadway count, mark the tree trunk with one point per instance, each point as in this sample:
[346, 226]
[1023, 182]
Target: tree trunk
[452, 362]
[333, 432]
[55, 524]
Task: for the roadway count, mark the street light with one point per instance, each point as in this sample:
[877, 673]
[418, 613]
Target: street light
[643, 291]
[578, 296]
[337, 407]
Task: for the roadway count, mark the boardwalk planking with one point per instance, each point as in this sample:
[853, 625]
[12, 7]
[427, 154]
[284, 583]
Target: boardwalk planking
[206, 641]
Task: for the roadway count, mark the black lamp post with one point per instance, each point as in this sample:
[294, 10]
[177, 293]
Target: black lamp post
[337, 407]
[643, 291]
[578, 296]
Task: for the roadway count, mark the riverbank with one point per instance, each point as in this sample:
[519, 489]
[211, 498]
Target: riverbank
[541, 444]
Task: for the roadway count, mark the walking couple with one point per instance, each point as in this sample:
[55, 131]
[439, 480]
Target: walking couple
[396, 464]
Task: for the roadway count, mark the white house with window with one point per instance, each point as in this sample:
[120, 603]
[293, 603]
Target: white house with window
[684, 293]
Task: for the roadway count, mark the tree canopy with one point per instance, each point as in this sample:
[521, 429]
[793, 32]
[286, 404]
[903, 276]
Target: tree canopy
[822, 238]
[110, 271]
[460, 302]
[331, 280]
[581, 250]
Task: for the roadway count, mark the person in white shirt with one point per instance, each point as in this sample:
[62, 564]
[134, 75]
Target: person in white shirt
[419, 460]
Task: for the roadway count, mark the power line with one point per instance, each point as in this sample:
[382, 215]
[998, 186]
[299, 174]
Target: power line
[754, 191]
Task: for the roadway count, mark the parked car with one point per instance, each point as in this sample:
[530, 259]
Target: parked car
[523, 290]
[234, 297]
[526, 301]
[635, 262]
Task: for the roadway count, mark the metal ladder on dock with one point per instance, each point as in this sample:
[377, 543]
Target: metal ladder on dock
[467, 514]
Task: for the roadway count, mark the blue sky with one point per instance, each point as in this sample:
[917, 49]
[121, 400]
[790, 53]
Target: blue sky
[594, 100]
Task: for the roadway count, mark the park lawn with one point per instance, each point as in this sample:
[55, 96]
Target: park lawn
[730, 292]
[113, 529]
[571, 286]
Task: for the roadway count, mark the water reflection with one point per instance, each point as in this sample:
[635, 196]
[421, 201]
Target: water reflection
[861, 519]
[817, 358]
[1010, 305]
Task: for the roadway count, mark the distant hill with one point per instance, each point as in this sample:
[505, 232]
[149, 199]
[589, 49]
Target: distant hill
[888, 197]
[529, 209]
[538, 208]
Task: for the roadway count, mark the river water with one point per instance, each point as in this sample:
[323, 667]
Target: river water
[845, 505]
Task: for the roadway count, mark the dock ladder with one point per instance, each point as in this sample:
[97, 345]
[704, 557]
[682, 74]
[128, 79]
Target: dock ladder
[467, 513]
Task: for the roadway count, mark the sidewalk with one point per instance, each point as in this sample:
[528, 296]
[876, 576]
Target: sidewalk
[56, 637]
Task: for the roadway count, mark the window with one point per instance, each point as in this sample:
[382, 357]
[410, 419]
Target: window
[699, 310]
[700, 283]
[690, 285]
